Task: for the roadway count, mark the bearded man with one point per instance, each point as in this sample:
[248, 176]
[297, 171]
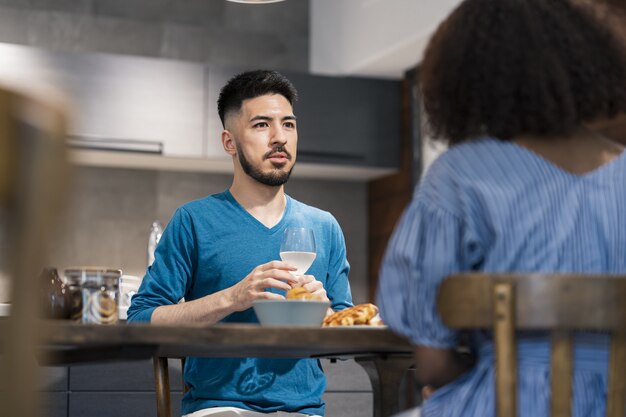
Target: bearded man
[220, 254]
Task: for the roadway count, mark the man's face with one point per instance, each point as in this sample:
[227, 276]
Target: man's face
[265, 137]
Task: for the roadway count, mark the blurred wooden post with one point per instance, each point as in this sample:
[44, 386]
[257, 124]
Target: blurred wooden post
[32, 171]
[506, 354]
[561, 369]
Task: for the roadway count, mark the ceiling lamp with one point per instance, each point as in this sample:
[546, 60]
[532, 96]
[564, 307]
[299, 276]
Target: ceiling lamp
[255, 1]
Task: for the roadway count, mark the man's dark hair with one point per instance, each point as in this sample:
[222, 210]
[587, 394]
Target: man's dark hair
[504, 68]
[253, 84]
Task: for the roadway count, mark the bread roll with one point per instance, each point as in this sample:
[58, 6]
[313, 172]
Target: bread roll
[299, 293]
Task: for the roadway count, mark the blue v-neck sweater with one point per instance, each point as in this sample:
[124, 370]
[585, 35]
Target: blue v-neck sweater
[211, 244]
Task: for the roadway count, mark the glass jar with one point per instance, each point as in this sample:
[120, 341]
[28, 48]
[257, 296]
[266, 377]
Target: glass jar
[55, 295]
[99, 289]
[74, 282]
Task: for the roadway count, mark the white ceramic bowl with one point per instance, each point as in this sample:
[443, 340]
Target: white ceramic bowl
[290, 312]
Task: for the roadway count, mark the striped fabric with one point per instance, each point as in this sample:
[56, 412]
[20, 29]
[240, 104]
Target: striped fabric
[495, 206]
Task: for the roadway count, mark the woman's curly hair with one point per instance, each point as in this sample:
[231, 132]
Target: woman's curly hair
[504, 68]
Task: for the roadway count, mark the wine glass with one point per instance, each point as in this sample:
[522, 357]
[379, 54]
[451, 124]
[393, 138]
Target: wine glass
[298, 248]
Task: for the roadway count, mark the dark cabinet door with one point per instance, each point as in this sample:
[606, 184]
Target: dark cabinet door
[354, 121]
[341, 120]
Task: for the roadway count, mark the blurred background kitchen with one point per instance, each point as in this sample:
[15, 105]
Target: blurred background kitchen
[142, 78]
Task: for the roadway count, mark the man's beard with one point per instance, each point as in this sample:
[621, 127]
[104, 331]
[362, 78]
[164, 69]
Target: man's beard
[274, 178]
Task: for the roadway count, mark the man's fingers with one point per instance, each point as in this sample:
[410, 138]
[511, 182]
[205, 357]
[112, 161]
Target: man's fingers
[275, 283]
[313, 286]
[277, 265]
[320, 295]
[317, 289]
[281, 275]
[305, 279]
[265, 295]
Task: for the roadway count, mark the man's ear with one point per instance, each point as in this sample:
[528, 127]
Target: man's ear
[228, 142]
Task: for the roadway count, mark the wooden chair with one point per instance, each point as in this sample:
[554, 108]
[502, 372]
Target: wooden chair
[162, 385]
[560, 304]
[32, 169]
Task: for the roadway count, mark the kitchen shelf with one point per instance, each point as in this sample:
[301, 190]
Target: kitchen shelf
[217, 166]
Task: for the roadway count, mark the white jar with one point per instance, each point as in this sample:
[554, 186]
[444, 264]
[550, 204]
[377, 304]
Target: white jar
[129, 285]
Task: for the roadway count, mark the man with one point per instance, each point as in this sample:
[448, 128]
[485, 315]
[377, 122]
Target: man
[220, 254]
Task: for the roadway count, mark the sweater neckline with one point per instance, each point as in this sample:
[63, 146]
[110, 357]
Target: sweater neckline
[254, 221]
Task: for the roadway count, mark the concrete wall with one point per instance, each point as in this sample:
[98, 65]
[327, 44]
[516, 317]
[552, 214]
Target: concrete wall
[108, 215]
[216, 31]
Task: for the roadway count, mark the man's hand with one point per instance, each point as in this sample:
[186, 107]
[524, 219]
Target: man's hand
[314, 286]
[273, 274]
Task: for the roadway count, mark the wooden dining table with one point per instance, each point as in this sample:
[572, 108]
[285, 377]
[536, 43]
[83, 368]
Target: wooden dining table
[385, 356]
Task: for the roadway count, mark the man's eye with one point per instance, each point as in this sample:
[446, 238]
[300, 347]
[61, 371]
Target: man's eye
[290, 125]
[261, 124]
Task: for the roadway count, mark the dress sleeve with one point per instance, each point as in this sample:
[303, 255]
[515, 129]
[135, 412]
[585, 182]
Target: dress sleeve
[337, 285]
[170, 275]
[425, 247]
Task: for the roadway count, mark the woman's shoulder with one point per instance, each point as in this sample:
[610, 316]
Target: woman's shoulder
[463, 159]
[476, 153]
[485, 159]
[463, 169]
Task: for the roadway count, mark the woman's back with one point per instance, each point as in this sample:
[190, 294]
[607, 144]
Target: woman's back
[546, 195]
[496, 206]
[521, 212]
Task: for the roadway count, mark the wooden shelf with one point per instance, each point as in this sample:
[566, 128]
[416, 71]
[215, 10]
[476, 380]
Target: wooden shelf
[131, 160]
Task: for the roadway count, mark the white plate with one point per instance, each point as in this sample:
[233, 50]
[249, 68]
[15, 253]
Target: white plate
[357, 326]
[5, 309]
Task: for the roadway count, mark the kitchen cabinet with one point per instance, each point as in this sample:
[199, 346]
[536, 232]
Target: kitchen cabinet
[127, 389]
[119, 102]
[354, 121]
[149, 113]
[341, 120]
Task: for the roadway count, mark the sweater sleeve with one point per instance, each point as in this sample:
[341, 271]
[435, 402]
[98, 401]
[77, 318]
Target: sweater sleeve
[426, 247]
[169, 277]
[337, 284]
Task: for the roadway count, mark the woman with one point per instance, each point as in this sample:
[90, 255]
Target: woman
[525, 186]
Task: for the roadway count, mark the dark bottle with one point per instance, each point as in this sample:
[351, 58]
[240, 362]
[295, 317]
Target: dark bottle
[55, 295]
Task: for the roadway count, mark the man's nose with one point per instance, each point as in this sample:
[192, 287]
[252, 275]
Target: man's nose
[279, 136]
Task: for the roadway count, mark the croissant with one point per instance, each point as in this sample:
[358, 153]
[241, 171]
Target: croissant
[361, 314]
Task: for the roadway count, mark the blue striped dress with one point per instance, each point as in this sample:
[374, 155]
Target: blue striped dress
[495, 206]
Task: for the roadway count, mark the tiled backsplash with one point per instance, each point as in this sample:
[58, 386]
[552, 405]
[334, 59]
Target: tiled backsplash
[108, 214]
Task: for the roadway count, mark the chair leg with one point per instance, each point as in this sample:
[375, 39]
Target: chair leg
[182, 368]
[162, 386]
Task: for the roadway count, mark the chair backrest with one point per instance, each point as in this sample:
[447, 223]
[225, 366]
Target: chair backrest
[559, 304]
[32, 172]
